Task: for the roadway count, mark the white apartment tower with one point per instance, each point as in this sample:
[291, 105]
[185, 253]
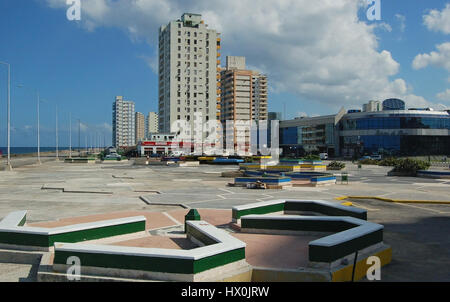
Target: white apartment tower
[372, 106]
[123, 123]
[188, 71]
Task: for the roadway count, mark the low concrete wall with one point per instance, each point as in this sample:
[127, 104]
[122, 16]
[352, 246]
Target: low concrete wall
[351, 234]
[14, 234]
[297, 207]
[219, 251]
[279, 181]
[434, 174]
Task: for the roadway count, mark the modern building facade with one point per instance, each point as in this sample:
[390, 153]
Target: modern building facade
[139, 126]
[391, 132]
[188, 71]
[123, 122]
[304, 135]
[395, 132]
[151, 124]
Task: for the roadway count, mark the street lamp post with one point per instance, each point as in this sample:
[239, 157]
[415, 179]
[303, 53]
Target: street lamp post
[57, 151]
[79, 143]
[70, 135]
[38, 126]
[8, 162]
[39, 130]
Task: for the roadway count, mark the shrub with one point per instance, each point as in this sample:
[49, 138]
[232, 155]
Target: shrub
[312, 157]
[368, 161]
[335, 165]
[389, 162]
[411, 165]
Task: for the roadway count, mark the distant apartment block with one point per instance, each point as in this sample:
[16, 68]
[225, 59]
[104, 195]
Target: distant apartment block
[188, 71]
[151, 124]
[123, 122]
[372, 106]
[243, 96]
[139, 126]
[243, 92]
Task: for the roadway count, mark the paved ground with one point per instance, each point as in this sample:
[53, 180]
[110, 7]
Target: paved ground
[417, 233]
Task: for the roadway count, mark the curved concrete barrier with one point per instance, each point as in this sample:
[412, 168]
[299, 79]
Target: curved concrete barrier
[298, 207]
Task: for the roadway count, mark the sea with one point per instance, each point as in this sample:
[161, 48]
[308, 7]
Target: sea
[28, 150]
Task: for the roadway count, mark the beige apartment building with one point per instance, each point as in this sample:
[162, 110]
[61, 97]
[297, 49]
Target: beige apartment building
[140, 126]
[243, 96]
[151, 124]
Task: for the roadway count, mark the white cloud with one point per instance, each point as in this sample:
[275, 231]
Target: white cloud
[318, 50]
[384, 26]
[402, 20]
[437, 20]
[152, 62]
[444, 96]
[441, 58]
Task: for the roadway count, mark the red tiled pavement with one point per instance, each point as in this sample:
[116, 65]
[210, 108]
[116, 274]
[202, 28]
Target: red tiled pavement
[276, 251]
[154, 219]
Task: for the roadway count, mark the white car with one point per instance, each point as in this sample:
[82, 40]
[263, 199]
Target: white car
[323, 156]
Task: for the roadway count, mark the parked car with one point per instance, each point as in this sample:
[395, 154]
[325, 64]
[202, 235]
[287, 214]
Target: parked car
[323, 156]
[375, 156]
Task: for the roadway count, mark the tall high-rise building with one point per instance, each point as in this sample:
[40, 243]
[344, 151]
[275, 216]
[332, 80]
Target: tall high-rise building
[243, 97]
[188, 71]
[123, 122]
[244, 92]
[139, 126]
[151, 124]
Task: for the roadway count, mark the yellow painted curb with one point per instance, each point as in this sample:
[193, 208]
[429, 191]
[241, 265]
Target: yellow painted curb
[348, 203]
[345, 274]
[394, 200]
[242, 277]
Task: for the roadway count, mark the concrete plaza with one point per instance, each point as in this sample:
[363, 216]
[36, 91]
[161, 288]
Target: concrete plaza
[418, 233]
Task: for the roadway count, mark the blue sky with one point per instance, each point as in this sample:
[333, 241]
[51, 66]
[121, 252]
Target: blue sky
[81, 66]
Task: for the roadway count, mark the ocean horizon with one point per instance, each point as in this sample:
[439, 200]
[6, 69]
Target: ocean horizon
[29, 150]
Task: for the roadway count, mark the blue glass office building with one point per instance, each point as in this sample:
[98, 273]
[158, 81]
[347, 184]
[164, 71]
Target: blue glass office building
[393, 131]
